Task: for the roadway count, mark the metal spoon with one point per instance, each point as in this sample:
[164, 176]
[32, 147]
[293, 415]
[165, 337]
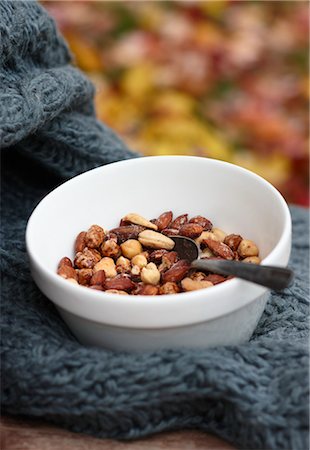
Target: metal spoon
[273, 277]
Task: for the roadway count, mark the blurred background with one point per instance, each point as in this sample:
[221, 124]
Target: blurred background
[221, 79]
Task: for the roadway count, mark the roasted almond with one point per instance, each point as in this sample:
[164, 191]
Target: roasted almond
[164, 220]
[145, 289]
[67, 272]
[179, 221]
[177, 272]
[80, 243]
[233, 241]
[214, 278]
[121, 282]
[127, 232]
[191, 230]
[84, 276]
[65, 261]
[97, 287]
[170, 232]
[167, 261]
[203, 221]
[156, 255]
[219, 248]
[98, 278]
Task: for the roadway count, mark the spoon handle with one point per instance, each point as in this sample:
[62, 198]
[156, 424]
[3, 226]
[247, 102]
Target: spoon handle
[273, 277]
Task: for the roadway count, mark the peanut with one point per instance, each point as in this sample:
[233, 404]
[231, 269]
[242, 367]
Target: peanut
[150, 274]
[108, 265]
[139, 260]
[123, 265]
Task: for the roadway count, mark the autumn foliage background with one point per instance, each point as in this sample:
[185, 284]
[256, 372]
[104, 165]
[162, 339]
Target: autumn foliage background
[221, 79]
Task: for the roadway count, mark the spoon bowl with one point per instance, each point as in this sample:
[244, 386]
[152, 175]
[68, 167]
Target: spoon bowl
[273, 277]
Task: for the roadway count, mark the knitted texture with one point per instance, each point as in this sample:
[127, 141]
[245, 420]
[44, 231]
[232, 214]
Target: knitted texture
[254, 395]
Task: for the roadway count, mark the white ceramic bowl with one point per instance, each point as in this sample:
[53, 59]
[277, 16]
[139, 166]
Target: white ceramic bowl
[234, 199]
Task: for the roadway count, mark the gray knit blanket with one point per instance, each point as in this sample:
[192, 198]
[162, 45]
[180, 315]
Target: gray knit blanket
[253, 395]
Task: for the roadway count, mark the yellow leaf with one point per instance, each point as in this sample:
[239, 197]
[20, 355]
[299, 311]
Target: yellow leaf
[184, 136]
[173, 103]
[87, 56]
[213, 8]
[138, 81]
[275, 168]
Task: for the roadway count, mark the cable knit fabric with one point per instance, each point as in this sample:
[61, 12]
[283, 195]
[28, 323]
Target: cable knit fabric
[254, 395]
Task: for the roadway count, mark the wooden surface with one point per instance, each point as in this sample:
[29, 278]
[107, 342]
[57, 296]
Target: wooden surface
[25, 434]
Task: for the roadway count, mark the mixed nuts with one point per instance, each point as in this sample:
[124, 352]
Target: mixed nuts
[137, 257]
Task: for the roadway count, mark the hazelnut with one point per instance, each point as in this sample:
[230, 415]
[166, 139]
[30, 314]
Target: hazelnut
[110, 248]
[247, 248]
[252, 259]
[220, 234]
[94, 236]
[131, 248]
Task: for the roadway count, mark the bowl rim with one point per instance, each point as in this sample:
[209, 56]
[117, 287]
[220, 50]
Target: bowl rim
[162, 301]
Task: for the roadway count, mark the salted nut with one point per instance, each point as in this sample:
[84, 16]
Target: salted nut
[150, 274]
[139, 258]
[108, 265]
[153, 239]
[193, 285]
[139, 220]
